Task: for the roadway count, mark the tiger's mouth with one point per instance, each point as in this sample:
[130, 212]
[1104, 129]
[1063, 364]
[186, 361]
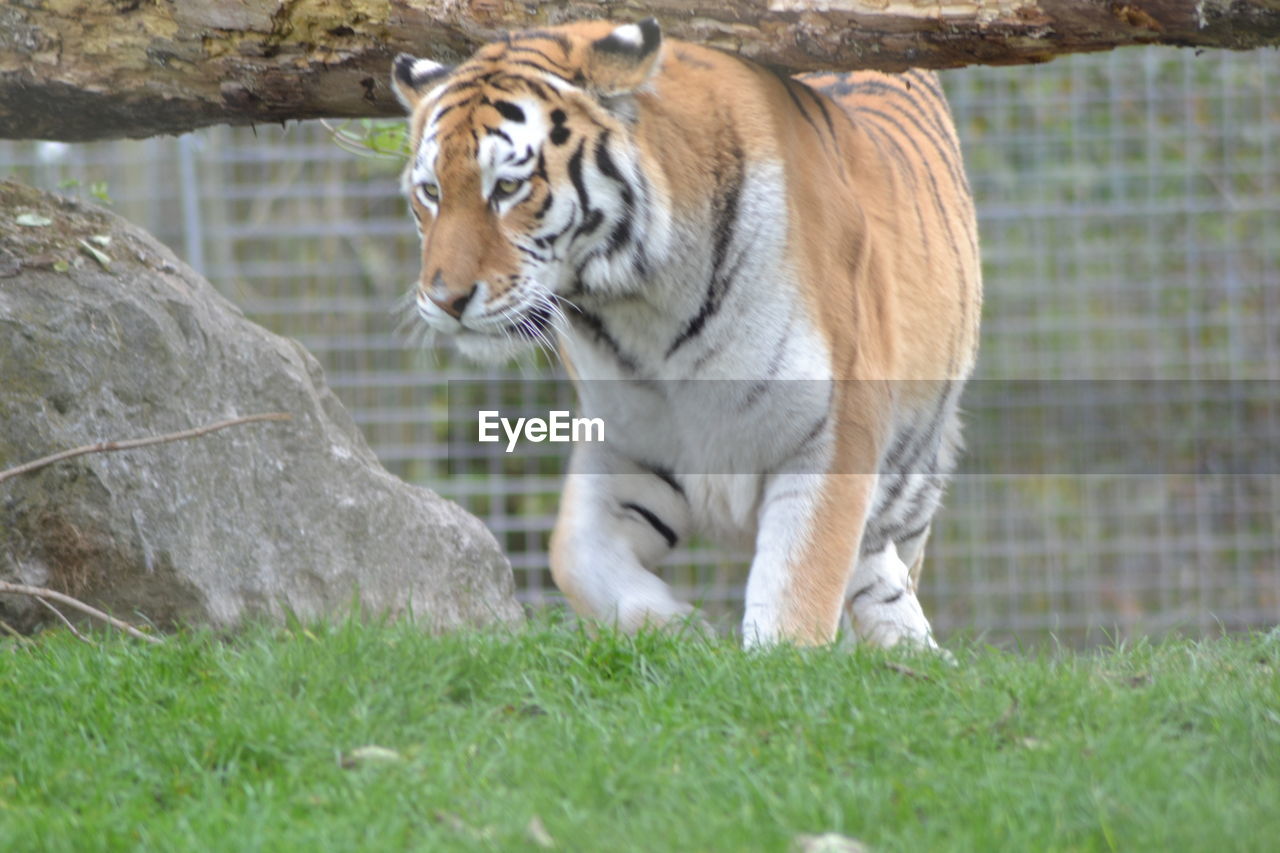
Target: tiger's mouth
[528, 323]
[514, 337]
[502, 332]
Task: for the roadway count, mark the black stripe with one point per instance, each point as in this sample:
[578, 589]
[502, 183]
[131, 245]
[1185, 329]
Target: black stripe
[446, 110]
[499, 132]
[604, 162]
[589, 225]
[873, 541]
[539, 89]
[656, 523]
[716, 290]
[918, 446]
[665, 475]
[789, 86]
[557, 66]
[533, 253]
[921, 484]
[879, 138]
[465, 84]
[725, 209]
[813, 433]
[709, 354]
[507, 84]
[926, 78]
[756, 391]
[620, 237]
[684, 57]
[900, 446]
[558, 39]
[822, 105]
[889, 497]
[600, 332]
[575, 175]
[727, 213]
[926, 503]
[877, 536]
[554, 237]
[504, 86]
[527, 64]
[922, 488]
[914, 532]
[546, 205]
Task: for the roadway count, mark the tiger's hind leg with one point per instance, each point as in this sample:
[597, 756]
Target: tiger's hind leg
[881, 601]
[911, 551]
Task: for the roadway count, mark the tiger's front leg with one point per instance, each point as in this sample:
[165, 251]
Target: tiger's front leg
[810, 526]
[616, 523]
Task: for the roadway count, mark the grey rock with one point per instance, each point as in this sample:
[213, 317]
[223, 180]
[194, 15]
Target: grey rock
[255, 521]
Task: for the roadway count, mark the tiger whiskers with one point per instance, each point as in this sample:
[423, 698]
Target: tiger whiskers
[529, 323]
[556, 320]
[559, 300]
[409, 324]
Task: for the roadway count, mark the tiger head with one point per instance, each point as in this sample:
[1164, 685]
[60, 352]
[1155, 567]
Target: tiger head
[526, 181]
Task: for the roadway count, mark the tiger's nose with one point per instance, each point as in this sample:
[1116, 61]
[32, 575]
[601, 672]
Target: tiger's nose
[450, 302]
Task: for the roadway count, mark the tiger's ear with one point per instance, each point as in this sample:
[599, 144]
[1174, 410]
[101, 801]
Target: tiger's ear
[411, 78]
[624, 60]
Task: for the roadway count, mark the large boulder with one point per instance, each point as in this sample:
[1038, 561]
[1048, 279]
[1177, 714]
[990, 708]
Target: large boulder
[253, 521]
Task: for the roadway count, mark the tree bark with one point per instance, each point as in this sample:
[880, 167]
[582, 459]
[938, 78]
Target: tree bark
[79, 70]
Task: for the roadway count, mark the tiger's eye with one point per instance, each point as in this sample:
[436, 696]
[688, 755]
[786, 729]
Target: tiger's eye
[429, 192]
[506, 187]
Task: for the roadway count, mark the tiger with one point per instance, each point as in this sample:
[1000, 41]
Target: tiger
[768, 285]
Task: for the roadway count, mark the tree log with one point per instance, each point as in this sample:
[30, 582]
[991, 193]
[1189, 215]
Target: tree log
[79, 70]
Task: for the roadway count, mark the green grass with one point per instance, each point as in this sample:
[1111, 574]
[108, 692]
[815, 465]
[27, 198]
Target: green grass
[618, 743]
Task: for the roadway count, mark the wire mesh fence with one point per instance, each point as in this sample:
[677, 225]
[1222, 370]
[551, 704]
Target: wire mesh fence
[1129, 206]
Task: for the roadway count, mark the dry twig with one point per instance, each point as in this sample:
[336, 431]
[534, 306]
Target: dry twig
[130, 444]
[13, 632]
[66, 621]
[41, 593]
[903, 669]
